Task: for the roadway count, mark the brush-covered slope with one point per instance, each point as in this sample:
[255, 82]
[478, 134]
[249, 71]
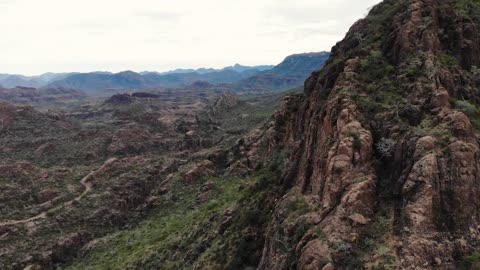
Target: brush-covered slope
[385, 152]
[141, 181]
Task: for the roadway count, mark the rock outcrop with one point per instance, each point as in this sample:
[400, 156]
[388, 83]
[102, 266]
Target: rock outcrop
[201, 169]
[384, 156]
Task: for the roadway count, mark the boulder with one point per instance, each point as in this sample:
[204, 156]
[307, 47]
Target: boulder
[201, 169]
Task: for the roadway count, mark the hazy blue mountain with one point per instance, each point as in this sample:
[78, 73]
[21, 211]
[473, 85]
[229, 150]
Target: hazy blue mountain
[3, 76]
[189, 70]
[50, 76]
[100, 81]
[290, 73]
[236, 67]
[14, 80]
[96, 81]
[240, 68]
[20, 80]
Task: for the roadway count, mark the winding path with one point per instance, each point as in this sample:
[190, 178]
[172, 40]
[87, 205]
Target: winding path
[86, 182]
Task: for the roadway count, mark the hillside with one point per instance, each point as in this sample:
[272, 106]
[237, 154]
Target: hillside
[374, 165]
[72, 181]
[45, 96]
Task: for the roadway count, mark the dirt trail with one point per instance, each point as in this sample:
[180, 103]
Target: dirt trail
[86, 182]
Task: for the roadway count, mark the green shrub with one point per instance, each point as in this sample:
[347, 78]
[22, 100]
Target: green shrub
[470, 109]
[448, 60]
[375, 67]
[467, 107]
[427, 22]
[300, 230]
[472, 261]
[357, 142]
[320, 234]
[469, 9]
[342, 247]
[428, 128]
[380, 20]
[380, 100]
[298, 206]
[415, 71]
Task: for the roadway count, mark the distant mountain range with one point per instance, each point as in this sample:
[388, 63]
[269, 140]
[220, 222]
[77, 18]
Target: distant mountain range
[14, 80]
[100, 80]
[236, 67]
[291, 72]
[133, 80]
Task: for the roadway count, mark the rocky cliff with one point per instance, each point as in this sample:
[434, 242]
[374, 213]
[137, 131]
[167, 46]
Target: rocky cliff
[384, 164]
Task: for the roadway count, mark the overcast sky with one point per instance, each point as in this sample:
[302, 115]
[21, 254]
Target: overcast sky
[116, 35]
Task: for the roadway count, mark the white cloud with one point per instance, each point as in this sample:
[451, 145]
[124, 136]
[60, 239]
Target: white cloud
[71, 35]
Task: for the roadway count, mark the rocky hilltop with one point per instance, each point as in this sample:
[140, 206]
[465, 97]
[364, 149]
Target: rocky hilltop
[384, 147]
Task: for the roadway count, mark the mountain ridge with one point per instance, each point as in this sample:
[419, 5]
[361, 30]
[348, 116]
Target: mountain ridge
[297, 66]
[14, 80]
[286, 75]
[291, 72]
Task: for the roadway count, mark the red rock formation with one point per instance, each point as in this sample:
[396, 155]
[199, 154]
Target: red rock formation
[387, 166]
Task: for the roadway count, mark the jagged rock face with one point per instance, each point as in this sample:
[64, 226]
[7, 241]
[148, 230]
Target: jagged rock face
[384, 155]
